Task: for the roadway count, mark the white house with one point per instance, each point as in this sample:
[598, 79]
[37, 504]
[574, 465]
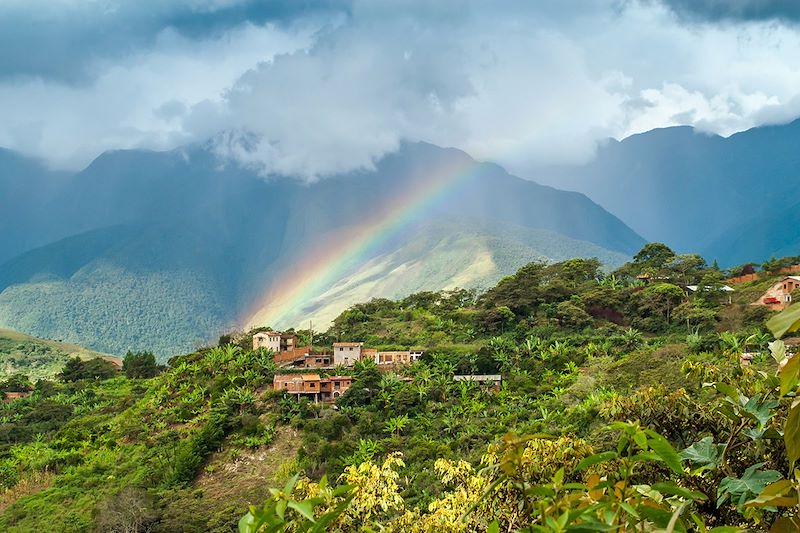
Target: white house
[346, 353]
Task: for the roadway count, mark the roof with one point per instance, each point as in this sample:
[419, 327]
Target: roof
[478, 377]
[347, 344]
[796, 278]
[724, 288]
[310, 377]
[340, 378]
[287, 377]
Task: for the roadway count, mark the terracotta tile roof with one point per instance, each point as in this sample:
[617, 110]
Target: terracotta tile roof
[287, 377]
[347, 344]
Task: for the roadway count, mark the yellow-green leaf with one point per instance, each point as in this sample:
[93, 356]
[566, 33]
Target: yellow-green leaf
[791, 434]
[785, 322]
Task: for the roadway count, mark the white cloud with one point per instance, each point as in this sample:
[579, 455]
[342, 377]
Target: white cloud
[138, 103]
[520, 83]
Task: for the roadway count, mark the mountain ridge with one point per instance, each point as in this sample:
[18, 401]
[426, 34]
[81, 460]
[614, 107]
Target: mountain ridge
[694, 190]
[225, 234]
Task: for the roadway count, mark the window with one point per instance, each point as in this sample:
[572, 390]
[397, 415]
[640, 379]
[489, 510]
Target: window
[312, 385]
[351, 348]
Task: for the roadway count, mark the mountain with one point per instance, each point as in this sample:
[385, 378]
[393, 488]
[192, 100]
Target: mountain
[37, 358]
[167, 250]
[444, 254]
[728, 198]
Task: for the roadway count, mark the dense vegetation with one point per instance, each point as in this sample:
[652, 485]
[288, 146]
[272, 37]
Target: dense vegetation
[625, 406]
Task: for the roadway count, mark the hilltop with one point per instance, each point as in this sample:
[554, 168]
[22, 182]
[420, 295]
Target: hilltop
[38, 358]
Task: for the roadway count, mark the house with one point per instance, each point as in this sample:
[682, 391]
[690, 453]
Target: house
[489, 380]
[292, 357]
[333, 387]
[11, 396]
[346, 353]
[691, 289]
[780, 294]
[312, 386]
[274, 341]
[318, 360]
[395, 358]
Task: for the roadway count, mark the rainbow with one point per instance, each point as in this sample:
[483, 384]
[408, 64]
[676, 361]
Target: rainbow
[331, 261]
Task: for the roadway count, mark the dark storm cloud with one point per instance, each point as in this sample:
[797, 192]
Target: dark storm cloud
[736, 10]
[69, 40]
[318, 88]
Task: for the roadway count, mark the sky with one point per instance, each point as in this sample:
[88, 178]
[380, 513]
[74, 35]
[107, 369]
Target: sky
[310, 89]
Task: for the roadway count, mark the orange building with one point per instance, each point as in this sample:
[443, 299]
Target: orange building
[779, 295]
[11, 396]
[312, 386]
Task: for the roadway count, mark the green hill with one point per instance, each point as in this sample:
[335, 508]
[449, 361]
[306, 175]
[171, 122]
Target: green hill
[613, 391]
[445, 254]
[37, 358]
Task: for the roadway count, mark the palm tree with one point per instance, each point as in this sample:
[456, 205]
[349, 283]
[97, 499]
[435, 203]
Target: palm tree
[731, 344]
[632, 338]
[396, 425]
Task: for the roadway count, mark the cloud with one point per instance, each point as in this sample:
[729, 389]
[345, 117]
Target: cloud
[716, 10]
[523, 86]
[321, 91]
[137, 103]
[73, 41]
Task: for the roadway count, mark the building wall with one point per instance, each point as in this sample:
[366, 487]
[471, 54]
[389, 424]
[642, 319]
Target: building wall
[346, 355]
[396, 358]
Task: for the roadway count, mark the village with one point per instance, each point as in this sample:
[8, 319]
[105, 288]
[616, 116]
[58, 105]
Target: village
[312, 386]
[293, 359]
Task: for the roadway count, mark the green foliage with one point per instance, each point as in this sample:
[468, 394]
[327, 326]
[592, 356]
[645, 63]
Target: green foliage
[77, 369]
[192, 453]
[35, 358]
[139, 365]
[603, 405]
[16, 383]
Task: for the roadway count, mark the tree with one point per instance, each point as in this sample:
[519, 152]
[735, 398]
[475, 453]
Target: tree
[571, 316]
[97, 368]
[663, 298]
[139, 365]
[654, 255]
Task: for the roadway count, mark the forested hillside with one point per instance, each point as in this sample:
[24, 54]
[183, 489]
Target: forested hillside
[626, 403]
[722, 196]
[164, 251]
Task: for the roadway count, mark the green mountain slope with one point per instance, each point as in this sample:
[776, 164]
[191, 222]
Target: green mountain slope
[443, 255]
[578, 398]
[37, 358]
[167, 250]
[696, 191]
